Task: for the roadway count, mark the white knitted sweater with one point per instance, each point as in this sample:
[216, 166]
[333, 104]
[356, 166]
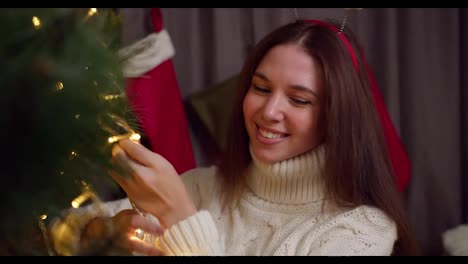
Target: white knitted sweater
[280, 213]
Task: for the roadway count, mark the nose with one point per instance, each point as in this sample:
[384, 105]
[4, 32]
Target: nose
[273, 109]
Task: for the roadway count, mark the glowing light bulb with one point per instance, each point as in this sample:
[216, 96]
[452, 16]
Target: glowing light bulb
[131, 136]
[36, 22]
[80, 199]
[92, 11]
[112, 96]
[139, 234]
[135, 137]
[73, 155]
[59, 86]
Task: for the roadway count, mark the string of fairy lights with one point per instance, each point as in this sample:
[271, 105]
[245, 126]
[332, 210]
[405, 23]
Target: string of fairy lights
[87, 191]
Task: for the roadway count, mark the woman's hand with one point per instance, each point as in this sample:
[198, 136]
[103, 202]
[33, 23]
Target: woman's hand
[154, 185]
[118, 235]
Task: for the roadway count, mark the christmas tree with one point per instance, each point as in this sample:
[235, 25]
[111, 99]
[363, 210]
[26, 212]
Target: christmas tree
[64, 104]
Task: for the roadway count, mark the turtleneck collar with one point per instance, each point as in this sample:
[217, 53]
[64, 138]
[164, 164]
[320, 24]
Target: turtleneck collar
[293, 181]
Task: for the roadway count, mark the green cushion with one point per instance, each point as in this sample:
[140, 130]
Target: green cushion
[213, 107]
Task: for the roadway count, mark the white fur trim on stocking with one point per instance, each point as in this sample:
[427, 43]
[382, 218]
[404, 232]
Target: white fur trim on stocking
[145, 54]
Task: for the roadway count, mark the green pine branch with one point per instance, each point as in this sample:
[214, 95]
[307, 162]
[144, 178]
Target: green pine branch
[56, 116]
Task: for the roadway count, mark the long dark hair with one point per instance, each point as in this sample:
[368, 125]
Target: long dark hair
[358, 168]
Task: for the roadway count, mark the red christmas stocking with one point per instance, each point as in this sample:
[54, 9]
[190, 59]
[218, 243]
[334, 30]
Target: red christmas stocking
[155, 96]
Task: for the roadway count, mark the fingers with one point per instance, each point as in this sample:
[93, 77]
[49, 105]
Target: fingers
[143, 247]
[137, 152]
[129, 165]
[118, 178]
[138, 233]
[149, 228]
[126, 212]
[136, 221]
[146, 225]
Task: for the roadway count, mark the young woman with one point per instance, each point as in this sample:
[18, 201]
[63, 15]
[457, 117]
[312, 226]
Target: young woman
[306, 170]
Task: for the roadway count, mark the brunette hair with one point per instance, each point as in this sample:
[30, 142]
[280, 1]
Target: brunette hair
[358, 170]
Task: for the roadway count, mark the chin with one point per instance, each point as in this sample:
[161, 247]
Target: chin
[268, 156]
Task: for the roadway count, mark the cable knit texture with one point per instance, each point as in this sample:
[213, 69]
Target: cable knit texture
[281, 212]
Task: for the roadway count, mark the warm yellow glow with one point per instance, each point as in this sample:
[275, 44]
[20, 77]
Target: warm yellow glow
[131, 136]
[73, 155]
[43, 217]
[77, 116]
[135, 137]
[138, 232]
[59, 86]
[92, 11]
[62, 172]
[113, 96]
[80, 199]
[36, 22]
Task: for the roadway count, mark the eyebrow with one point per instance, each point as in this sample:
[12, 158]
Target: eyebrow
[294, 86]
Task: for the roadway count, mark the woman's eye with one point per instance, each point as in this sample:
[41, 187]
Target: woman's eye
[261, 89]
[300, 101]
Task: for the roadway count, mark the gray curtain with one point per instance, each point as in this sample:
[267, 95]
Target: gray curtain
[419, 57]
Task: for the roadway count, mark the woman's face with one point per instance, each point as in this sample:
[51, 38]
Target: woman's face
[282, 106]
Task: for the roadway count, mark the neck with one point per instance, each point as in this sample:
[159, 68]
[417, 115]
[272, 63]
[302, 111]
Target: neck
[294, 181]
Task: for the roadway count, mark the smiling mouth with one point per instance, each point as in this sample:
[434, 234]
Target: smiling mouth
[268, 134]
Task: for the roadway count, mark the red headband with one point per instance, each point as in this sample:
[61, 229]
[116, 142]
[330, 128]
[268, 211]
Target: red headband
[398, 156]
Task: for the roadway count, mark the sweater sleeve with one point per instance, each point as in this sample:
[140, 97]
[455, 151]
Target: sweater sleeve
[364, 231]
[196, 235]
[65, 231]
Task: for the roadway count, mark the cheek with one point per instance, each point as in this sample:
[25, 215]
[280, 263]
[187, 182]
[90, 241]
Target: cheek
[308, 126]
[248, 107]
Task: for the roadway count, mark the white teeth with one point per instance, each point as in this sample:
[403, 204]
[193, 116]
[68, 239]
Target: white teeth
[268, 134]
